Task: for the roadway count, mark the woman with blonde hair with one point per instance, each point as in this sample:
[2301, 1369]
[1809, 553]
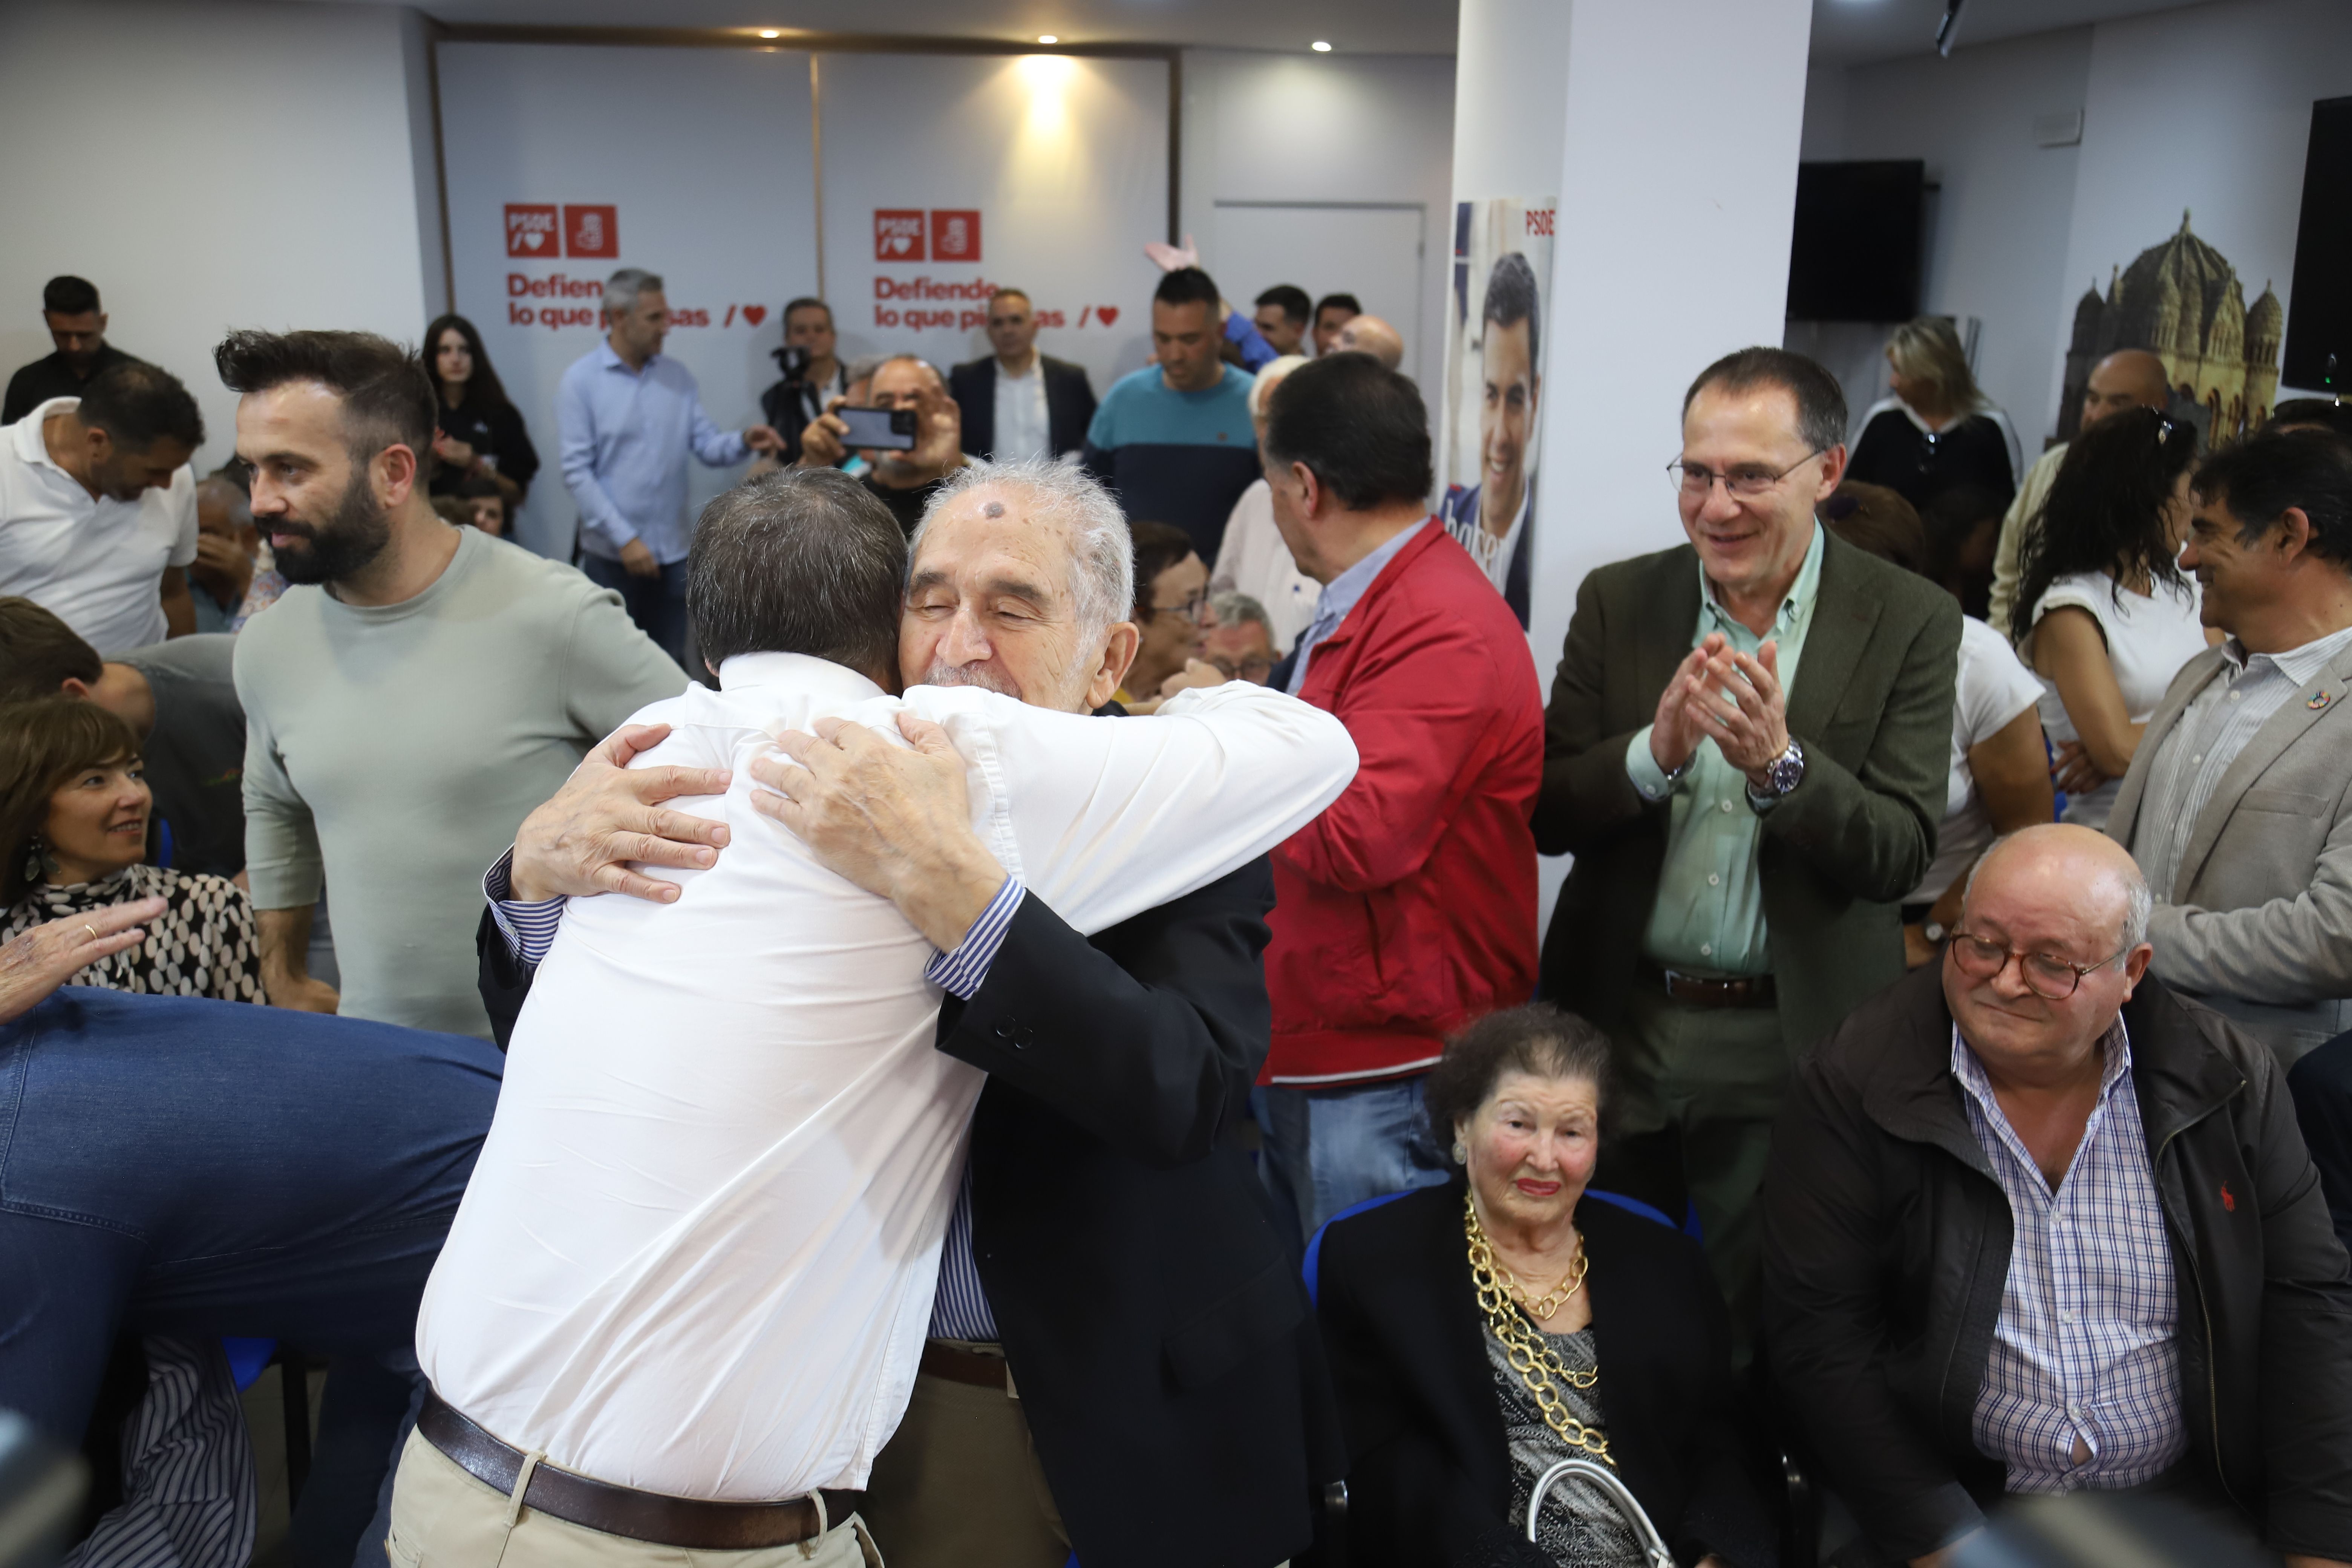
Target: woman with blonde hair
[1937, 432]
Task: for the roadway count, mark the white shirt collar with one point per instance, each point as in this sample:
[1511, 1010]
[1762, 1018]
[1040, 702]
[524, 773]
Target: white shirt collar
[819, 678]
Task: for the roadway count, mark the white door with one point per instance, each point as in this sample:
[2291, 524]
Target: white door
[1373, 252]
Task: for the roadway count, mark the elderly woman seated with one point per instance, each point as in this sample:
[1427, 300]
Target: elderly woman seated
[1481, 1332]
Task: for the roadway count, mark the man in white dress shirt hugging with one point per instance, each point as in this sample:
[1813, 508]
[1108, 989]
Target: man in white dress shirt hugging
[682, 1304]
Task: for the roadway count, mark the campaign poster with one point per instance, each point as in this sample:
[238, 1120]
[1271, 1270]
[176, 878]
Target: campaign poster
[1497, 312]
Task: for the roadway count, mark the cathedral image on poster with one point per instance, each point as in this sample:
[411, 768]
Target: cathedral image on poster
[2183, 301]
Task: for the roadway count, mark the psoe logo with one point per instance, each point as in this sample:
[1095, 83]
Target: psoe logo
[898, 233]
[530, 229]
[955, 234]
[591, 231]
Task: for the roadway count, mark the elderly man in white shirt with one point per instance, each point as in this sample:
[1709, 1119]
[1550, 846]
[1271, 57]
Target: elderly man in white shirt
[98, 507]
[684, 1299]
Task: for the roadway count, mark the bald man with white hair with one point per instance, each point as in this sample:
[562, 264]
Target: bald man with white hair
[2128, 378]
[2034, 1222]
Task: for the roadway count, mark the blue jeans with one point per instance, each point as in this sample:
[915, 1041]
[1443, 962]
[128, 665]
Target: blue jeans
[176, 1166]
[657, 603]
[1329, 1149]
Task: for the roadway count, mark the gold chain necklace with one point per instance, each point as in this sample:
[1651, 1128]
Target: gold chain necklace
[1524, 1347]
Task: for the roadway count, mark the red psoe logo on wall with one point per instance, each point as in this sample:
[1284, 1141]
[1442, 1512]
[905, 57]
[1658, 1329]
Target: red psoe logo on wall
[955, 234]
[530, 229]
[898, 233]
[591, 231]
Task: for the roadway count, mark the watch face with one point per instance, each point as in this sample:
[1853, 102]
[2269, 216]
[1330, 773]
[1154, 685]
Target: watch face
[1787, 769]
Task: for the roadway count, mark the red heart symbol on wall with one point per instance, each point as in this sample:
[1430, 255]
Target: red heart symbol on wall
[1109, 313]
[755, 314]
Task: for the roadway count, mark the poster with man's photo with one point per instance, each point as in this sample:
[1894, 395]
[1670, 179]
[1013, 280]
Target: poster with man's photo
[1499, 309]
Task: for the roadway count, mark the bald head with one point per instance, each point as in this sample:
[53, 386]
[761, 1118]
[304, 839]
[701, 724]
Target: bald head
[2059, 868]
[1371, 335]
[2063, 911]
[2128, 378]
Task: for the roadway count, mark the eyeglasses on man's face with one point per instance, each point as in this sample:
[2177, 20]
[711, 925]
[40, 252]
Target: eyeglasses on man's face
[2046, 974]
[1747, 482]
[1191, 609]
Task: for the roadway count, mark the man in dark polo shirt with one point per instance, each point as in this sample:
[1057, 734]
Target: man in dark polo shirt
[78, 326]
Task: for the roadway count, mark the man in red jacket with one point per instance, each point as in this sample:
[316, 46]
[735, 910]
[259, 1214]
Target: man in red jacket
[1408, 907]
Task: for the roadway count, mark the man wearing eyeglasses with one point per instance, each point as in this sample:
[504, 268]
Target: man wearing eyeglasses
[2036, 1223]
[1746, 750]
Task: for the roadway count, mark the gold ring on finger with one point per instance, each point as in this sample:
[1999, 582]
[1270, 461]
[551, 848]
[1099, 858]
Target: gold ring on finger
[91, 929]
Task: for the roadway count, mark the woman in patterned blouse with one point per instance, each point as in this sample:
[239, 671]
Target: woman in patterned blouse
[73, 832]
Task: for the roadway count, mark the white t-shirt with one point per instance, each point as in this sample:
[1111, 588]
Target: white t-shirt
[1024, 428]
[1994, 688]
[97, 566]
[2149, 637]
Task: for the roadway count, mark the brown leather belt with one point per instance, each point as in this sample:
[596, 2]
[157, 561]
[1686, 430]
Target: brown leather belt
[695, 1523]
[966, 1366]
[1696, 991]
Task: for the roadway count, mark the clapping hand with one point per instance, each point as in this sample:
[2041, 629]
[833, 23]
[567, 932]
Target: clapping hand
[1736, 701]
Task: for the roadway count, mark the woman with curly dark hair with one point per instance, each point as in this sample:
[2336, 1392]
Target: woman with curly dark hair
[2104, 616]
[477, 431]
[1482, 1332]
[73, 832]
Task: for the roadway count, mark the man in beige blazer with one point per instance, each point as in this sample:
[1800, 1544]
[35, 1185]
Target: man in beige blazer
[2237, 805]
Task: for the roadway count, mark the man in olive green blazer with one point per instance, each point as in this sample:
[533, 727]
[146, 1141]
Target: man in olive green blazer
[1740, 847]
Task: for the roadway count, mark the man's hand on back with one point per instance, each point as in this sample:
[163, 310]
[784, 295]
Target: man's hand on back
[580, 843]
[894, 820]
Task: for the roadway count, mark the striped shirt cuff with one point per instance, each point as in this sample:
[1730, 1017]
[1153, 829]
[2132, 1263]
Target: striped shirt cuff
[959, 973]
[528, 928]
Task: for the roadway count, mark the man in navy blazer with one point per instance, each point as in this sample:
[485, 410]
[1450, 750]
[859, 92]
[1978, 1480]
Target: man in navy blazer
[1046, 403]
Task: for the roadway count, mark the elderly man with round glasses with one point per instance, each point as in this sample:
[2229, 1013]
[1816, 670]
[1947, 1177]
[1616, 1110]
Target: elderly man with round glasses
[2035, 1222]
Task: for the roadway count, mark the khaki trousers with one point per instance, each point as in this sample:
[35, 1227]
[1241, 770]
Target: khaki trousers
[443, 1518]
[958, 1485]
[1696, 1092]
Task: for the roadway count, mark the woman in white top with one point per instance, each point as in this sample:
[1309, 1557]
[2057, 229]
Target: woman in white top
[2000, 779]
[2105, 617]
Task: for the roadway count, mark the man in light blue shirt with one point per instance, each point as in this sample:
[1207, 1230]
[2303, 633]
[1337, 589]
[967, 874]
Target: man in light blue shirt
[625, 418]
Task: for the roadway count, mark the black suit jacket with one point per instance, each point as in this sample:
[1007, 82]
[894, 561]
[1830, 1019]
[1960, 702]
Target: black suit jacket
[1069, 403]
[1153, 1316]
[1429, 1477]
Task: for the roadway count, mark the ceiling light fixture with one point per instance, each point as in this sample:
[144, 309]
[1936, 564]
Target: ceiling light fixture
[1047, 38]
[771, 32]
[1319, 46]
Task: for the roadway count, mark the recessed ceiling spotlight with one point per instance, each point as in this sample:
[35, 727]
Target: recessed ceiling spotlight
[1319, 46]
[1047, 38]
[771, 32]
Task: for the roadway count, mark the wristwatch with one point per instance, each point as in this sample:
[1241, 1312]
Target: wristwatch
[1785, 772]
[1933, 930]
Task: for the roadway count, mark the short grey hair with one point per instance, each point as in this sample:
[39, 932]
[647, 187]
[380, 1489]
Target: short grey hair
[888, 360]
[1269, 376]
[622, 288]
[2139, 901]
[1102, 553]
[1235, 609]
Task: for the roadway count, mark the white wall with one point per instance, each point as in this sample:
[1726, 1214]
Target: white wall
[1324, 128]
[215, 166]
[1995, 245]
